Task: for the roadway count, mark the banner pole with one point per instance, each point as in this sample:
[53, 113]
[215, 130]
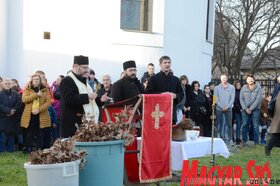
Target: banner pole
[212, 155]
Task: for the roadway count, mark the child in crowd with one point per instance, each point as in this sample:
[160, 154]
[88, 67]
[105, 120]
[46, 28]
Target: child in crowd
[264, 117]
[54, 124]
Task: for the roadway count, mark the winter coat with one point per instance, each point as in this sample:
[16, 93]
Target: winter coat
[161, 82]
[275, 122]
[93, 83]
[146, 76]
[182, 103]
[9, 99]
[196, 101]
[236, 105]
[251, 98]
[53, 115]
[28, 96]
[264, 109]
[126, 88]
[101, 92]
[188, 94]
[71, 105]
[56, 102]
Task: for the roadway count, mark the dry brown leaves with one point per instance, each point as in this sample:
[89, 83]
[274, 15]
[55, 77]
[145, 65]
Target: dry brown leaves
[119, 130]
[187, 124]
[62, 151]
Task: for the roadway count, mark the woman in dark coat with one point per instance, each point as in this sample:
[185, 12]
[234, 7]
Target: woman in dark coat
[9, 106]
[198, 106]
[208, 106]
[237, 112]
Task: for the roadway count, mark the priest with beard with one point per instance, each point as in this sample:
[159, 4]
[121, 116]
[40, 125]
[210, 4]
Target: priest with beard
[128, 86]
[77, 98]
[165, 82]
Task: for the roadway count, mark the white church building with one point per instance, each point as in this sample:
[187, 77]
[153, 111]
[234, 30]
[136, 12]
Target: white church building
[46, 34]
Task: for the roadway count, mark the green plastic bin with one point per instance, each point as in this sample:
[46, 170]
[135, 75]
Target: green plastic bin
[105, 163]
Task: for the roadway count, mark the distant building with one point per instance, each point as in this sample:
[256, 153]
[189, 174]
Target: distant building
[269, 68]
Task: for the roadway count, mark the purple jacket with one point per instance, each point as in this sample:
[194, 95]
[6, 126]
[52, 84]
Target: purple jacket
[56, 103]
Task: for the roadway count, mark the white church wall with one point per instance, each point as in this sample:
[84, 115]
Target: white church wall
[14, 40]
[2, 38]
[93, 28]
[11, 38]
[186, 39]
[83, 27]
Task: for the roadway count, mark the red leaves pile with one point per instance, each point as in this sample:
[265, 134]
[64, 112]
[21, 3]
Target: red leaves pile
[60, 152]
[119, 130]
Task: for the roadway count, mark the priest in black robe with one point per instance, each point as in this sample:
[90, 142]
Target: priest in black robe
[166, 82]
[72, 101]
[128, 86]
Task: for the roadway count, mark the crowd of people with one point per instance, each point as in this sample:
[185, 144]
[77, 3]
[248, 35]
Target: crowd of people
[34, 116]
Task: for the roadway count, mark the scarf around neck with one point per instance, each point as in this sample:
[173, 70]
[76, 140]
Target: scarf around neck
[90, 109]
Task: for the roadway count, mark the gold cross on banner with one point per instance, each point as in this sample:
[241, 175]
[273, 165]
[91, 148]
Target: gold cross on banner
[157, 114]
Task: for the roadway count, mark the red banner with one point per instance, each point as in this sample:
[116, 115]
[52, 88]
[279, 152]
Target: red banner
[155, 154]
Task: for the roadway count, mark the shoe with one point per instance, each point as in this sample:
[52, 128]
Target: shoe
[231, 143]
[238, 143]
[20, 147]
[26, 150]
[266, 151]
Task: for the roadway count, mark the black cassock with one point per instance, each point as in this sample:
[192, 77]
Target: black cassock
[160, 83]
[71, 104]
[126, 88]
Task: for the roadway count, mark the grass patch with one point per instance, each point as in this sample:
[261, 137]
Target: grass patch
[12, 172]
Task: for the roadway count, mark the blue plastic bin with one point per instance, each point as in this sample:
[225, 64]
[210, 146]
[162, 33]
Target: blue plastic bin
[105, 163]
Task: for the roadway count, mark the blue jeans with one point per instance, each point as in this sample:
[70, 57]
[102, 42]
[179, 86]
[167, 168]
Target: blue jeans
[264, 126]
[224, 123]
[254, 116]
[2, 141]
[10, 139]
[238, 121]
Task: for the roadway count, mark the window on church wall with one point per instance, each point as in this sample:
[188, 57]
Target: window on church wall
[210, 21]
[136, 15]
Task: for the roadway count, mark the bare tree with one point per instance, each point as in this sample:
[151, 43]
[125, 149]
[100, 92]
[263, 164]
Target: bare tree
[245, 29]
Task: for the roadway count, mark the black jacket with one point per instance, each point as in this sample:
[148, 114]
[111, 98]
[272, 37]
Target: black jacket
[100, 93]
[188, 94]
[236, 105]
[126, 88]
[161, 82]
[145, 76]
[71, 105]
[9, 99]
[196, 101]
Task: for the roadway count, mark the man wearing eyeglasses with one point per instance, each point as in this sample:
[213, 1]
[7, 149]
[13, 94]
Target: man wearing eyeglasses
[77, 97]
[129, 86]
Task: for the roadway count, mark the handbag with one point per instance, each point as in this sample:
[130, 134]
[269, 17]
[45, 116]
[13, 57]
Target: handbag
[203, 110]
[271, 107]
